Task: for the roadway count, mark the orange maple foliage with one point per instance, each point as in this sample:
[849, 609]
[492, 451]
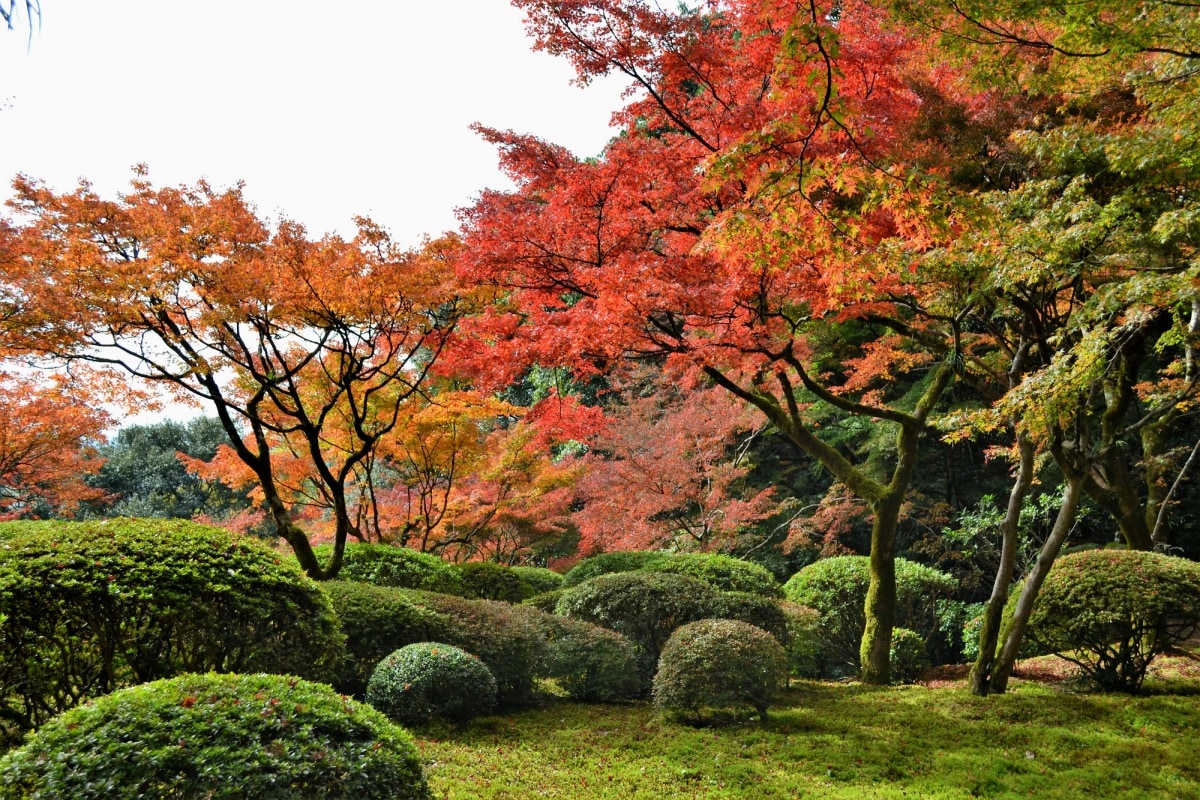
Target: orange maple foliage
[460, 475]
[48, 434]
[516, 502]
[303, 348]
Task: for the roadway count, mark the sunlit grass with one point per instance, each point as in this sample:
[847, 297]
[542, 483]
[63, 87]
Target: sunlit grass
[836, 741]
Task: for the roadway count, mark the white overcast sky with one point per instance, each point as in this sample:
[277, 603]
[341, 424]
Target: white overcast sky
[325, 110]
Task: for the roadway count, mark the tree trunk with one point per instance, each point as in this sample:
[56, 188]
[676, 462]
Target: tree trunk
[880, 606]
[989, 632]
[1063, 523]
[1113, 488]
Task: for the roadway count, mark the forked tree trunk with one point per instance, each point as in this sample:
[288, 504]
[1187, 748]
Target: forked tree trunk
[1063, 523]
[885, 500]
[1010, 533]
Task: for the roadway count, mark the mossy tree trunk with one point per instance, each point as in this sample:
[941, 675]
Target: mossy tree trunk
[885, 499]
[880, 606]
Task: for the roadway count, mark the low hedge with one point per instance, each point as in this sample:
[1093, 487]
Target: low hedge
[645, 607]
[217, 737]
[837, 589]
[90, 607]
[537, 580]
[486, 580]
[726, 573]
[608, 563]
[804, 647]
[391, 565]
[1112, 612]
[755, 609]
[546, 602]
[909, 656]
[591, 664]
[508, 639]
[377, 620]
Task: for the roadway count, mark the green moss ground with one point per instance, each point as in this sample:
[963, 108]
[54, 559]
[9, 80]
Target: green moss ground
[837, 741]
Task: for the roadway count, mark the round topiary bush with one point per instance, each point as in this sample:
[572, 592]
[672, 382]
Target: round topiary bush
[429, 680]
[391, 565]
[377, 620]
[89, 607]
[217, 737]
[722, 572]
[764, 612]
[909, 658]
[1112, 612]
[608, 563]
[837, 589]
[645, 607]
[508, 639]
[722, 665]
[537, 580]
[486, 580]
[591, 664]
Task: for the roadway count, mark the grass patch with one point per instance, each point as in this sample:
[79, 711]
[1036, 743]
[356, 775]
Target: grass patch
[835, 741]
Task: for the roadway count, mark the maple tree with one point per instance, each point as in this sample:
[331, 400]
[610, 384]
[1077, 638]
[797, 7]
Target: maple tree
[460, 474]
[1091, 270]
[472, 477]
[756, 222]
[516, 504]
[669, 471]
[443, 440]
[304, 349]
[48, 438]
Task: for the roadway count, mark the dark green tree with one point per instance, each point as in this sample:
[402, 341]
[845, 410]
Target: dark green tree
[145, 474]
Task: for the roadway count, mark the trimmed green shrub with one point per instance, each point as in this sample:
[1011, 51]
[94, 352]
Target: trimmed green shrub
[909, 658]
[508, 639]
[719, 664]
[430, 680]
[486, 580]
[591, 664]
[725, 573]
[1030, 647]
[537, 580]
[608, 563]
[546, 601]
[804, 639]
[89, 607]
[764, 612]
[222, 737]
[645, 607]
[377, 620]
[837, 589]
[391, 565]
[1112, 612]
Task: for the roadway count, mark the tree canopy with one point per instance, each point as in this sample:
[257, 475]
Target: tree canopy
[925, 252]
[302, 348]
